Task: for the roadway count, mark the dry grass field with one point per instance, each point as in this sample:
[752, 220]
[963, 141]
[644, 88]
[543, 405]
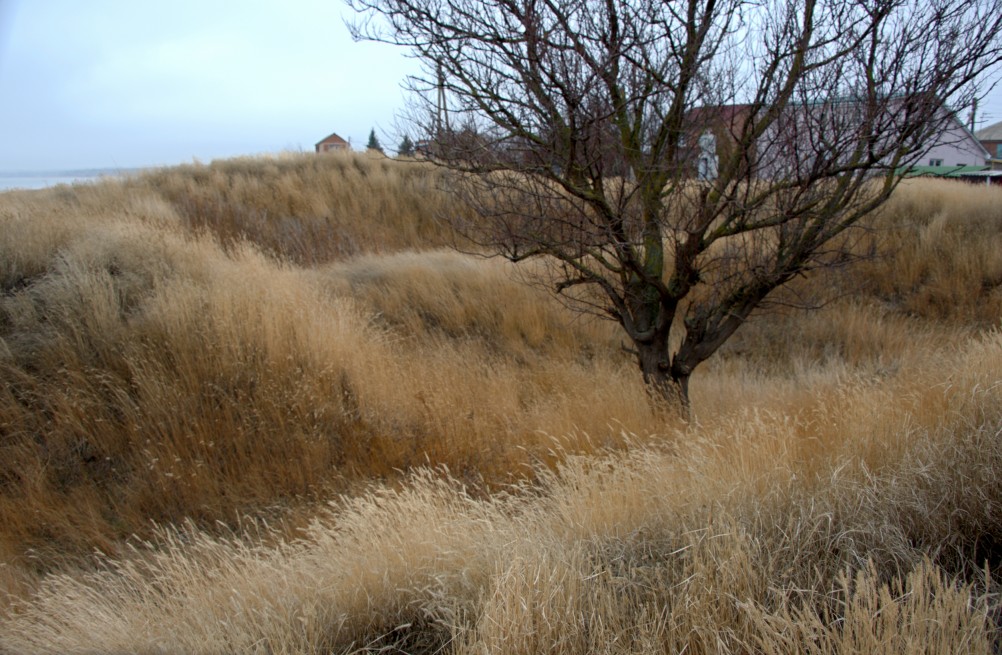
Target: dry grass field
[259, 406]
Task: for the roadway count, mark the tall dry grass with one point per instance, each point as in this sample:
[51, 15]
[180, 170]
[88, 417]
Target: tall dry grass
[942, 242]
[152, 373]
[763, 535]
[312, 210]
[182, 349]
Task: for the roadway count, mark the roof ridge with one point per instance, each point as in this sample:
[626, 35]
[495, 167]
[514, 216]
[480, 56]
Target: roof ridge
[991, 132]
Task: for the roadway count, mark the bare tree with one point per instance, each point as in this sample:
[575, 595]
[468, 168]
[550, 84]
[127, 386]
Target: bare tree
[677, 162]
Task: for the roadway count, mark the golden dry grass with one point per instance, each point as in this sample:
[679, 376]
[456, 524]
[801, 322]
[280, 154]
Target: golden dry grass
[758, 536]
[311, 210]
[943, 242]
[203, 357]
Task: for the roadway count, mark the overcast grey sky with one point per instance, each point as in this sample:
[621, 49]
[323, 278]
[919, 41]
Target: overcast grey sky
[126, 83]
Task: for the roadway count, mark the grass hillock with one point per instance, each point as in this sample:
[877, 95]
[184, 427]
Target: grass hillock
[311, 210]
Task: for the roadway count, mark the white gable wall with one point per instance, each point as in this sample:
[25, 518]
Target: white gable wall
[956, 146]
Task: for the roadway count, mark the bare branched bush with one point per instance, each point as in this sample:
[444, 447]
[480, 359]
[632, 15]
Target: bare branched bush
[686, 161]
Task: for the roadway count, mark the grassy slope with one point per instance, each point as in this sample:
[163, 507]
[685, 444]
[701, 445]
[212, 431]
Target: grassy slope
[254, 337]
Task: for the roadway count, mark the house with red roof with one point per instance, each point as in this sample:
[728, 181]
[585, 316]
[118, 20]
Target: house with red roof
[333, 143]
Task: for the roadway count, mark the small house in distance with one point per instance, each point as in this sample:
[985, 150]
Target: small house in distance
[991, 139]
[333, 143]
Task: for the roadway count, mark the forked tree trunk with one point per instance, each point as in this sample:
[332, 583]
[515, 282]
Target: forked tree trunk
[667, 386]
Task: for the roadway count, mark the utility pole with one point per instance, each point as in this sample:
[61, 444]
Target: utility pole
[442, 113]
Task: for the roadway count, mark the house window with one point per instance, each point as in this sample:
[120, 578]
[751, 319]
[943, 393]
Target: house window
[706, 164]
[935, 162]
[998, 151]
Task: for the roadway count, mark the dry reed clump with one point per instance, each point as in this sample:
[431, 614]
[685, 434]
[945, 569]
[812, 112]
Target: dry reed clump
[480, 355]
[942, 253]
[308, 209]
[38, 223]
[140, 376]
[444, 295]
[151, 375]
[739, 540]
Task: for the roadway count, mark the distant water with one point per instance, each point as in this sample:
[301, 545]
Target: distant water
[45, 179]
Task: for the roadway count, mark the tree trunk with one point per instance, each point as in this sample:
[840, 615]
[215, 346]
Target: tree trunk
[667, 385]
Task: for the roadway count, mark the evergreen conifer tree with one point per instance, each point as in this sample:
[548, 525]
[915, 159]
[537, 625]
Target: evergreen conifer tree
[406, 147]
[374, 142]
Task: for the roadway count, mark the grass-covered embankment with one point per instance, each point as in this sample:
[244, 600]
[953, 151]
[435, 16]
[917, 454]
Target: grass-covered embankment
[251, 339]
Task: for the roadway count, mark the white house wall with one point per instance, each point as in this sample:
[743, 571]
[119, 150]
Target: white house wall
[787, 148]
[955, 147]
